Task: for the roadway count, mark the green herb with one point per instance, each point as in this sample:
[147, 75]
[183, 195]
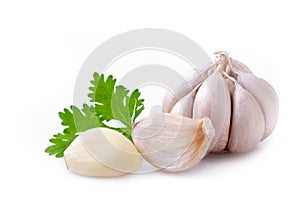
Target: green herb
[111, 103]
[115, 103]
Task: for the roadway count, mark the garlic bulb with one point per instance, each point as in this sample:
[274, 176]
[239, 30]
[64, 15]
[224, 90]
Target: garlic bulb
[102, 152]
[243, 108]
[172, 142]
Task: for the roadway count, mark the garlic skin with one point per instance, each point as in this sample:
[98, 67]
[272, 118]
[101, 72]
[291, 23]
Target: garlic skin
[102, 152]
[173, 143]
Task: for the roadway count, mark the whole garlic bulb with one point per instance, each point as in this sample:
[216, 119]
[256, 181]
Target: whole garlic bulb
[102, 152]
[243, 108]
[171, 142]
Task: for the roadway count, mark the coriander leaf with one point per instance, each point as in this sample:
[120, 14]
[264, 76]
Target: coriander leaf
[60, 144]
[76, 121]
[114, 102]
[101, 92]
[135, 104]
[120, 106]
[80, 120]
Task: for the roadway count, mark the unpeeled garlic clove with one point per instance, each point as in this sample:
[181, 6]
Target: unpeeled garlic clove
[266, 97]
[247, 122]
[230, 86]
[184, 107]
[185, 86]
[238, 66]
[213, 100]
[173, 143]
[102, 152]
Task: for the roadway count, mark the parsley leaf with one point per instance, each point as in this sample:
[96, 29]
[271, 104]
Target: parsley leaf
[101, 92]
[135, 104]
[76, 121]
[114, 102]
[111, 103]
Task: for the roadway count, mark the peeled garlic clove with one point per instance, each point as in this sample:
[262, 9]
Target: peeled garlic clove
[265, 95]
[247, 122]
[102, 152]
[173, 143]
[213, 100]
[184, 107]
[183, 87]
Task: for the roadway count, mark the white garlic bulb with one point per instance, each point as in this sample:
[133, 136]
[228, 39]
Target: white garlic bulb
[102, 152]
[242, 107]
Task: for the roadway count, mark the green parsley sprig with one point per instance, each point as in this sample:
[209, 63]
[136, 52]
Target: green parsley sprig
[110, 102]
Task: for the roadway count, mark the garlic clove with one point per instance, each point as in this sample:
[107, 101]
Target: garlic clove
[213, 100]
[81, 162]
[265, 95]
[238, 66]
[247, 122]
[184, 87]
[184, 107]
[171, 142]
[102, 152]
[230, 85]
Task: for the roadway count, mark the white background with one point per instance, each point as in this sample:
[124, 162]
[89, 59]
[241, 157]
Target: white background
[43, 45]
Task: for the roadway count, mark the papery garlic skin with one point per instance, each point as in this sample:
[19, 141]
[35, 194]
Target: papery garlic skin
[102, 152]
[173, 143]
